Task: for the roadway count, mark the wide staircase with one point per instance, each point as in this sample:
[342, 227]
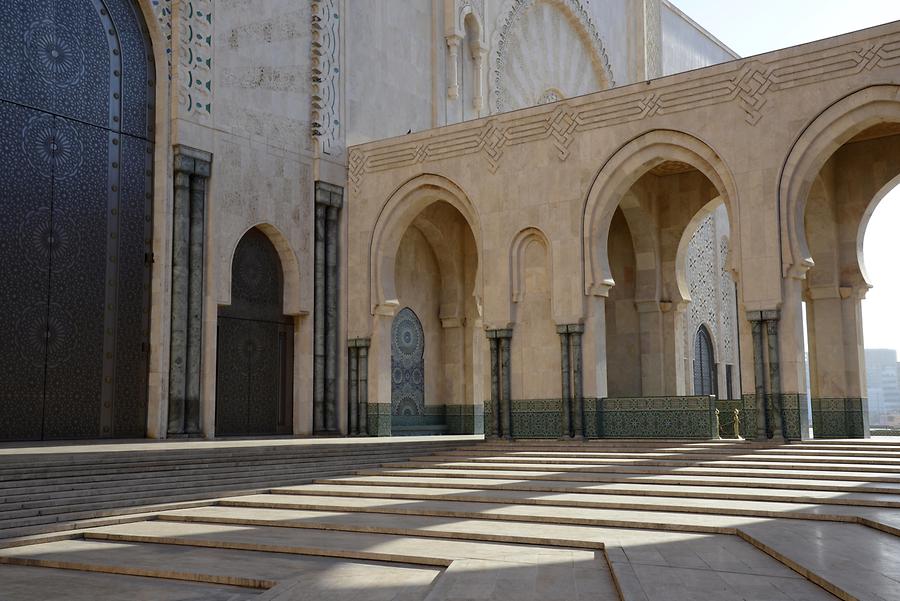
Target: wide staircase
[598, 520]
[49, 490]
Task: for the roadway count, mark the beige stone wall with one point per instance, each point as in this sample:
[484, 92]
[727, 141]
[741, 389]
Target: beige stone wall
[535, 343]
[733, 131]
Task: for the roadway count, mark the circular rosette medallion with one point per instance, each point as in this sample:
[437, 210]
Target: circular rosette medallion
[46, 329]
[54, 54]
[52, 147]
[48, 241]
[409, 340]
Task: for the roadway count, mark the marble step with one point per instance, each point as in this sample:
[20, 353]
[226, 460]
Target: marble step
[48, 458]
[646, 489]
[331, 543]
[619, 477]
[581, 516]
[565, 456]
[641, 469]
[659, 462]
[86, 474]
[245, 568]
[29, 583]
[22, 495]
[550, 535]
[810, 511]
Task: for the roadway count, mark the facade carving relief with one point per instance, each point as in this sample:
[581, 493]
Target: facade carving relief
[746, 84]
[541, 45]
[326, 75]
[195, 34]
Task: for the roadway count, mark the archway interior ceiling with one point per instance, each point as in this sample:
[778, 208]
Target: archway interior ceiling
[76, 108]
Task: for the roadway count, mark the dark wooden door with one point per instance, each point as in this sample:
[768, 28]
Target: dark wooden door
[254, 383]
[76, 115]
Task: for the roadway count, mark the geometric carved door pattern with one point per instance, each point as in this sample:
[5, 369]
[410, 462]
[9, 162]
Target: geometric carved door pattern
[76, 146]
[254, 381]
[704, 364]
[407, 364]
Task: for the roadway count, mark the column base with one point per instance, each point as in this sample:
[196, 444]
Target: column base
[840, 418]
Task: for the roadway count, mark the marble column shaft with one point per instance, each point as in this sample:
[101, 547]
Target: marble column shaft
[192, 168]
[759, 375]
[566, 380]
[775, 373]
[332, 281]
[326, 354]
[319, 322]
[506, 387]
[493, 429]
[353, 395]
[575, 333]
[363, 407]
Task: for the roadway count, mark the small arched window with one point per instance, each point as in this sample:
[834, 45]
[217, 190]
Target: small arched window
[704, 363]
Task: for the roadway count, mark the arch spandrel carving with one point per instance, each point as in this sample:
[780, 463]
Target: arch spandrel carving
[511, 80]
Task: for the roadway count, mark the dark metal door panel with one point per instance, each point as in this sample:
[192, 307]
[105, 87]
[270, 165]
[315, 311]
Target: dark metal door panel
[82, 280]
[138, 68]
[134, 237]
[25, 247]
[232, 379]
[253, 388]
[254, 385]
[260, 342]
[56, 56]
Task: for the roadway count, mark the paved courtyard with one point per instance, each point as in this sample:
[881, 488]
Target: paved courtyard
[631, 520]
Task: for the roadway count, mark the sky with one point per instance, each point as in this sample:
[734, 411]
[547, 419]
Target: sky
[764, 25]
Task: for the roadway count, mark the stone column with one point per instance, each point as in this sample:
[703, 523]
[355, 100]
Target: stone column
[363, 385]
[493, 428]
[357, 397]
[453, 43]
[319, 322]
[563, 332]
[353, 385]
[778, 415]
[326, 356]
[759, 371]
[653, 381]
[506, 387]
[575, 332]
[192, 168]
[673, 357]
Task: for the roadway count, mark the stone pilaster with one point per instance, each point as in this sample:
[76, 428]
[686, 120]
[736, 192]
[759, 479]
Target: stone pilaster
[329, 201]
[501, 383]
[191, 171]
[566, 374]
[357, 409]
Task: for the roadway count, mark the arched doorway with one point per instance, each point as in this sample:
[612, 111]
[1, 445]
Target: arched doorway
[254, 373]
[76, 142]
[704, 363]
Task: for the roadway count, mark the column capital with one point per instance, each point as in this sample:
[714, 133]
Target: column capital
[329, 195]
[503, 333]
[764, 315]
[359, 342]
[192, 160]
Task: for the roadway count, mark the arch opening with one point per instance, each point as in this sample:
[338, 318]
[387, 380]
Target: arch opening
[842, 166]
[254, 377]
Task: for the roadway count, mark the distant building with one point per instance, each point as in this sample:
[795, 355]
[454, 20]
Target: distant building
[883, 379]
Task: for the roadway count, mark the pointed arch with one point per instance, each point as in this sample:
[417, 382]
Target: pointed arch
[397, 214]
[621, 171]
[818, 141]
[516, 260]
[292, 302]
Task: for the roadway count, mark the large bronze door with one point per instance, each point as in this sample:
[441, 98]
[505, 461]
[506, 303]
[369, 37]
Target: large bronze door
[76, 82]
[254, 382]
